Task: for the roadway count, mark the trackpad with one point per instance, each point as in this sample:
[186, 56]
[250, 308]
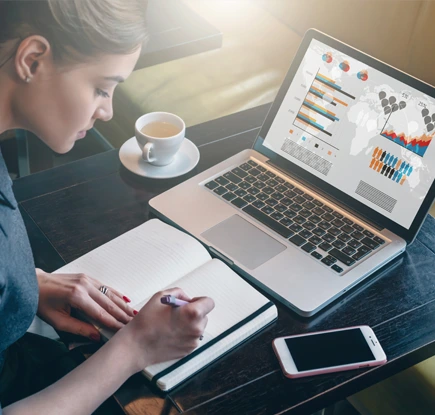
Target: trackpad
[243, 241]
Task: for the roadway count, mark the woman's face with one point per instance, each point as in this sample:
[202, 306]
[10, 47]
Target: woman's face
[60, 105]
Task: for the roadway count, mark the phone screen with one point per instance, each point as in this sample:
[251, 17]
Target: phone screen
[329, 349]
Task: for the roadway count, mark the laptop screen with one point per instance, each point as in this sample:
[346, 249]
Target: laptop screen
[360, 130]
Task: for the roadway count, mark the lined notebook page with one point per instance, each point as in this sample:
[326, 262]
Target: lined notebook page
[142, 261]
[234, 299]
[209, 355]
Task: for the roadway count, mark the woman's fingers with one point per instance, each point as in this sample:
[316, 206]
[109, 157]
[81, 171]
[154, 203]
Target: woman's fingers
[199, 307]
[92, 308]
[176, 292]
[97, 284]
[112, 304]
[72, 325]
[120, 303]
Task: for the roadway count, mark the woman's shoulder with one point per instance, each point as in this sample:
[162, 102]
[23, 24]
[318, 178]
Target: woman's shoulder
[18, 284]
[6, 194]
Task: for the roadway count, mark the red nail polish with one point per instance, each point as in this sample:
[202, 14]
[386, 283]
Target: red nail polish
[95, 337]
[126, 299]
[135, 312]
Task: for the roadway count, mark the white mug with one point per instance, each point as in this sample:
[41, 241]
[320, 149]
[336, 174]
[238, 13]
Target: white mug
[160, 150]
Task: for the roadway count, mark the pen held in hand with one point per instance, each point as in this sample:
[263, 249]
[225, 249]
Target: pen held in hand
[174, 302]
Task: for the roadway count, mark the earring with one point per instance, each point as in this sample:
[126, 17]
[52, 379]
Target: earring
[27, 79]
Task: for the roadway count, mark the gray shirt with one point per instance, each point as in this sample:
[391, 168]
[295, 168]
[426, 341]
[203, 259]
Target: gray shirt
[18, 285]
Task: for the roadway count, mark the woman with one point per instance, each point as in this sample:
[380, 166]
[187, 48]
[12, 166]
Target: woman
[60, 61]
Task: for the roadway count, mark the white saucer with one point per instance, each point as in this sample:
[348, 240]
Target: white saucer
[184, 161]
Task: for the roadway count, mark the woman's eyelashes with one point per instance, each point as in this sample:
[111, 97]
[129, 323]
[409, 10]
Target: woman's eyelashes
[102, 93]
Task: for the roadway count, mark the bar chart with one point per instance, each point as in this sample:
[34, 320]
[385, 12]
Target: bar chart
[321, 105]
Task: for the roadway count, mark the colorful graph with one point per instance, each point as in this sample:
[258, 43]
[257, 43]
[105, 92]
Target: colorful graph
[390, 166]
[327, 57]
[317, 92]
[344, 66]
[363, 75]
[311, 122]
[331, 84]
[319, 108]
[321, 90]
[417, 145]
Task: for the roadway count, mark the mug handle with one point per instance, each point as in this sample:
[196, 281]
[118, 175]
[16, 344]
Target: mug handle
[146, 153]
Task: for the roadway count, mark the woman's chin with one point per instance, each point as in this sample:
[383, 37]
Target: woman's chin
[59, 147]
[62, 148]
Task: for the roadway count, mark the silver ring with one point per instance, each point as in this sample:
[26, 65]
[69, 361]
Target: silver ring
[103, 289]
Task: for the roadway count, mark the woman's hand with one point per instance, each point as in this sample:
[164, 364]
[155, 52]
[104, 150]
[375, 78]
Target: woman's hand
[59, 293]
[162, 333]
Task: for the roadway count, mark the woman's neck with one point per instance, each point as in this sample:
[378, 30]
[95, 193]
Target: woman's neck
[7, 84]
[6, 88]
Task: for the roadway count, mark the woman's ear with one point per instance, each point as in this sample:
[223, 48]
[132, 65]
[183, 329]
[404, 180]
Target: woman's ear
[33, 56]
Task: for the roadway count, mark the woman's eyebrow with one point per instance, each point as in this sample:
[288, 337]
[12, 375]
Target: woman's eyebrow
[118, 79]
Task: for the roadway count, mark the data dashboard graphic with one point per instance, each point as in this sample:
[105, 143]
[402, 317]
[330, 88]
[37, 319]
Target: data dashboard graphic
[318, 111]
[417, 145]
[344, 66]
[363, 75]
[397, 126]
[360, 130]
[390, 166]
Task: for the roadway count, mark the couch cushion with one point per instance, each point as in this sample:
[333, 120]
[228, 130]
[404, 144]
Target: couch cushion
[247, 71]
[422, 57]
[383, 29]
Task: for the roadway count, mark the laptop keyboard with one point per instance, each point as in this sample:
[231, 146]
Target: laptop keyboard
[317, 229]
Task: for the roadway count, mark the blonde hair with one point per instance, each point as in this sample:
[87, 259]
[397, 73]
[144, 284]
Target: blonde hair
[77, 30]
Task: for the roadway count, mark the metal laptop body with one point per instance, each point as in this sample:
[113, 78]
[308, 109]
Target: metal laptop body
[283, 262]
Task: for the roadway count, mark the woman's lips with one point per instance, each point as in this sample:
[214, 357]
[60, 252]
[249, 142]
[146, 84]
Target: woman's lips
[81, 134]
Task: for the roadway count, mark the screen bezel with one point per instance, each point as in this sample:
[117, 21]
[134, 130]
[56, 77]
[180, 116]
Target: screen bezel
[329, 190]
[289, 365]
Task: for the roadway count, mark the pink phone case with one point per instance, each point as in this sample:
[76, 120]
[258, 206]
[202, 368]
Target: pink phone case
[328, 370]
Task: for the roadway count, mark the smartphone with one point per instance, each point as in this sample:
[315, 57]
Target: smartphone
[328, 351]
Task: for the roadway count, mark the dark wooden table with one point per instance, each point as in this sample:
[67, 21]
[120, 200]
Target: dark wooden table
[75, 208]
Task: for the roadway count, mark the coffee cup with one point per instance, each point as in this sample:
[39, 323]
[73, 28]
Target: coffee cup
[159, 136]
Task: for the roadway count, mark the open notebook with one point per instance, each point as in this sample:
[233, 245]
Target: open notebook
[155, 256]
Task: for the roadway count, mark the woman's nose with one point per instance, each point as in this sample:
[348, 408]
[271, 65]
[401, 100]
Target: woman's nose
[105, 113]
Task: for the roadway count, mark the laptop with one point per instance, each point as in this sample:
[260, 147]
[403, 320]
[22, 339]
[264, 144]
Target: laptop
[338, 182]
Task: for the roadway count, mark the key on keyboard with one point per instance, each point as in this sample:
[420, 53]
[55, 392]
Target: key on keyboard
[268, 221]
[289, 208]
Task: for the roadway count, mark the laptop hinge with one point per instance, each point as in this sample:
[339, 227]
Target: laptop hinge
[326, 196]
